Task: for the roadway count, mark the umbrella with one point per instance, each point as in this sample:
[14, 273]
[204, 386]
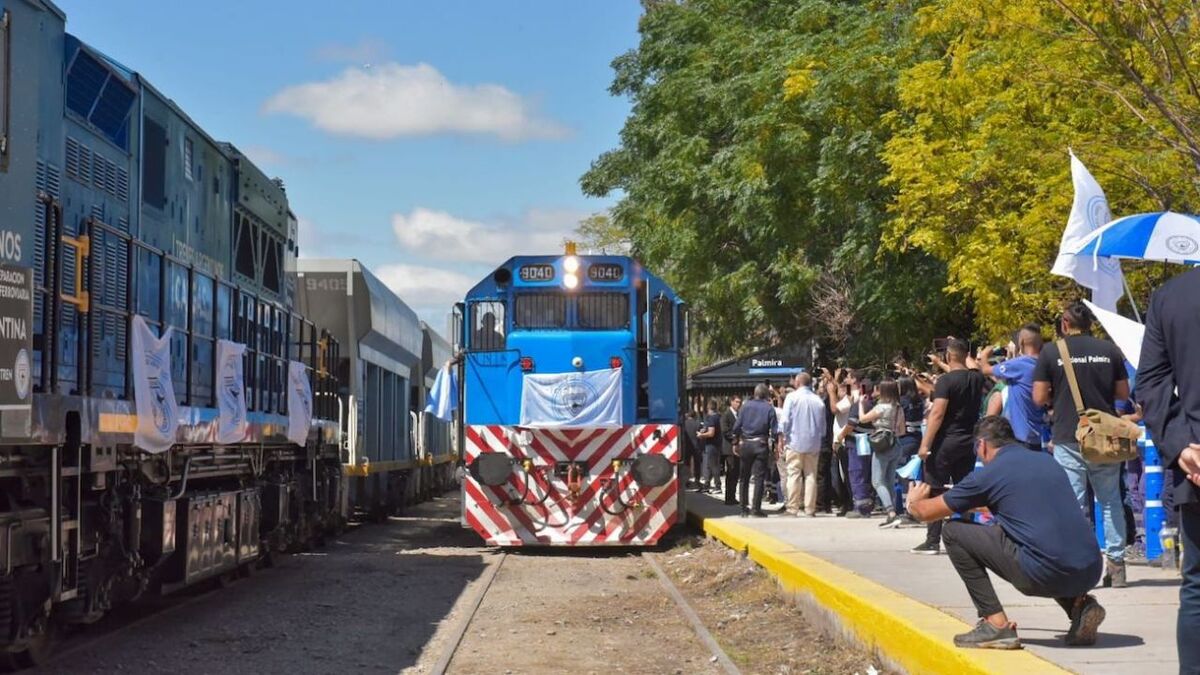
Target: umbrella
[1163, 236]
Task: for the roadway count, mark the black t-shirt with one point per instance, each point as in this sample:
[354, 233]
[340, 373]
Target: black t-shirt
[1031, 498]
[712, 421]
[1099, 365]
[690, 427]
[963, 391]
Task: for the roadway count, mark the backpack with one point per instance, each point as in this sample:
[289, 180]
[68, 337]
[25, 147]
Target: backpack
[883, 437]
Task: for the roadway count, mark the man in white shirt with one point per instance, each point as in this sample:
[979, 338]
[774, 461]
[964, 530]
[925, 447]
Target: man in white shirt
[802, 430]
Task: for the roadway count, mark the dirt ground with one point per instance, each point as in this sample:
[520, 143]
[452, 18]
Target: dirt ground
[388, 598]
[746, 612]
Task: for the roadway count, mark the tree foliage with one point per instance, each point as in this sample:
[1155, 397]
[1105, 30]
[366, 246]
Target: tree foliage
[904, 159]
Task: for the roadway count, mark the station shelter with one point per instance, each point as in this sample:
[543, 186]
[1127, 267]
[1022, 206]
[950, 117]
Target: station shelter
[775, 366]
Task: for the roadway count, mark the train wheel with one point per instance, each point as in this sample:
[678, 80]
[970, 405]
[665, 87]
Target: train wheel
[38, 649]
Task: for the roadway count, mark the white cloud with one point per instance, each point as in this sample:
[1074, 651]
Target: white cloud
[393, 100]
[365, 51]
[437, 235]
[431, 291]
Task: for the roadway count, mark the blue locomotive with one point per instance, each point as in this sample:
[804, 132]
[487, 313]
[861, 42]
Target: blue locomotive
[571, 378]
[122, 221]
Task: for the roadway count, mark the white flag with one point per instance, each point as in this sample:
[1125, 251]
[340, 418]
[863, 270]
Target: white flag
[1127, 333]
[443, 397]
[153, 390]
[579, 399]
[299, 404]
[1088, 212]
[231, 393]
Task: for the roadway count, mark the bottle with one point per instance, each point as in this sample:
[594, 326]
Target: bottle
[1170, 551]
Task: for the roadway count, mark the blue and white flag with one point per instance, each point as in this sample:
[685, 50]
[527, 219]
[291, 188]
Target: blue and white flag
[231, 393]
[582, 399]
[153, 388]
[443, 397]
[1088, 212]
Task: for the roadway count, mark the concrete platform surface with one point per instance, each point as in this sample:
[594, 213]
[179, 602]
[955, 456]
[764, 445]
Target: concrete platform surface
[1138, 635]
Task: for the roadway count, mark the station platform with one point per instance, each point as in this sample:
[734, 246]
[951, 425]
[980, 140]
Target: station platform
[908, 607]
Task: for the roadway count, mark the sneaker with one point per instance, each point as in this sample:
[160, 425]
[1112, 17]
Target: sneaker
[928, 548]
[907, 521]
[1085, 622]
[986, 636]
[841, 514]
[890, 522]
[855, 514]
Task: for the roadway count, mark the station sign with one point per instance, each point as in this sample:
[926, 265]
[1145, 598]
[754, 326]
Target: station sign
[537, 272]
[606, 272]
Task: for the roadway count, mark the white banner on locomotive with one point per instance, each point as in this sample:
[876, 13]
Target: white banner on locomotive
[153, 389]
[231, 393]
[299, 403]
[583, 399]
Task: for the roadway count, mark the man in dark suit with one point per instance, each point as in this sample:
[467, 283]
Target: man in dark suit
[1168, 387]
[732, 463]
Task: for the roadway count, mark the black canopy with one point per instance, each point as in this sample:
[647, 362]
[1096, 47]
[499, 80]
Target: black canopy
[775, 366]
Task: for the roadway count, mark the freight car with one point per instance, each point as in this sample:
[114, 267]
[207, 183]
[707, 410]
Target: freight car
[122, 221]
[435, 439]
[571, 392]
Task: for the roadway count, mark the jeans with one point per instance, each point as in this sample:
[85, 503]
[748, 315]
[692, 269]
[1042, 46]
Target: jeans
[802, 481]
[977, 549]
[860, 479]
[1105, 480]
[712, 465]
[1189, 593]
[883, 476]
[753, 464]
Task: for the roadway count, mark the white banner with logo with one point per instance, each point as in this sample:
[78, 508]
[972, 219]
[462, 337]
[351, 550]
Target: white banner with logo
[231, 393]
[153, 390]
[583, 399]
[299, 403]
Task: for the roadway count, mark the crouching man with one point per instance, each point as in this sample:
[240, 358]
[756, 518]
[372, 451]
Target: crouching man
[1041, 543]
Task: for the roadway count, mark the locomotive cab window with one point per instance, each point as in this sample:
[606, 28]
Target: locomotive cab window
[603, 311]
[540, 310]
[487, 326]
[662, 323]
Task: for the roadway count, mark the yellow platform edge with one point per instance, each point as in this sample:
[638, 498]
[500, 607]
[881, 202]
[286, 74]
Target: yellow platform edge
[907, 632]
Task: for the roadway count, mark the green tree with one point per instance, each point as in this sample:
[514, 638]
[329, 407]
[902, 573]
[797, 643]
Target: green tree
[750, 169]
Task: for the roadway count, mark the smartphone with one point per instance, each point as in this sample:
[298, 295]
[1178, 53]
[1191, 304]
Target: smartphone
[939, 344]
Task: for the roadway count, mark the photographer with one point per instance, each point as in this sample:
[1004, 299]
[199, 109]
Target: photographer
[1026, 416]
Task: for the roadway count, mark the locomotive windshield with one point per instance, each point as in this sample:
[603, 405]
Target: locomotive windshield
[540, 310]
[604, 311]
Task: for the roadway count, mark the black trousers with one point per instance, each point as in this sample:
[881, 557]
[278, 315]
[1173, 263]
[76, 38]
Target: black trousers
[839, 475]
[1189, 592]
[754, 456]
[732, 470]
[824, 491]
[943, 468]
[977, 549]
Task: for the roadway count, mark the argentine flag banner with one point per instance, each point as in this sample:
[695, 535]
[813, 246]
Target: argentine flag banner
[584, 399]
[153, 389]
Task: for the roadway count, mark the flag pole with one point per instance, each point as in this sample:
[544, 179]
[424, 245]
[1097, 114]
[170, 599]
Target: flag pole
[1132, 303]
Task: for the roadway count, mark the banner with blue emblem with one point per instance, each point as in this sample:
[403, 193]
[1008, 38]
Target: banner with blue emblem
[300, 403]
[153, 389]
[581, 399]
[231, 393]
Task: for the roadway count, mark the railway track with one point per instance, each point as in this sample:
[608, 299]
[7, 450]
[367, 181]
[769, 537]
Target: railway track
[455, 640]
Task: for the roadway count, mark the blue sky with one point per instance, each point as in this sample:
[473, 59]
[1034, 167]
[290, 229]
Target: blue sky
[431, 140]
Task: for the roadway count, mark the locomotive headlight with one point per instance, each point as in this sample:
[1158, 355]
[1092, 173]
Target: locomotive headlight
[570, 281]
[570, 264]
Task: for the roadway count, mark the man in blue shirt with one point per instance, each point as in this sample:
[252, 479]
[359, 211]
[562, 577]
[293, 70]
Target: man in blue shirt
[1041, 543]
[1027, 418]
[753, 432]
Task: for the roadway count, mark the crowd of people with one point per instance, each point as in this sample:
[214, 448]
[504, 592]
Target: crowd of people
[1003, 486]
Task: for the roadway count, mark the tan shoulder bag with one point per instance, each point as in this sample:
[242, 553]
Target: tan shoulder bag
[1103, 438]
